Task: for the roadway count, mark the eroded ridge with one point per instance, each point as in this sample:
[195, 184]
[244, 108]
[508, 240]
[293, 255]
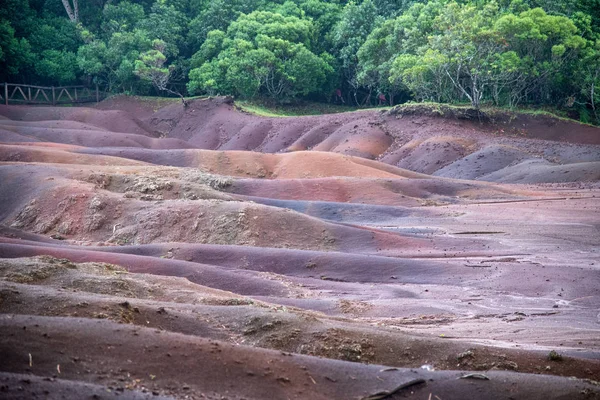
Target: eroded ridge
[209, 253]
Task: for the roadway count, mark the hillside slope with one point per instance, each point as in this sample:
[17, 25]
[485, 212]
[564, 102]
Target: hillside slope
[149, 252]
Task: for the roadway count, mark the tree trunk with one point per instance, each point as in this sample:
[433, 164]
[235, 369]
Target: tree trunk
[592, 94]
[76, 9]
[72, 12]
[474, 93]
[367, 98]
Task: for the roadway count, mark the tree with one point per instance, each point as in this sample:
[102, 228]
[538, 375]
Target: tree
[121, 17]
[217, 15]
[543, 46]
[15, 53]
[262, 53]
[167, 24]
[405, 35]
[392, 8]
[57, 66]
[150, 66]
[348, 35]
[517, 58]
[54, 33]
[469, 47]
[423, 75]
[505, 52]
[588, 76]
[276, 26]
[113, 62]
[374, 58]
[324, 15]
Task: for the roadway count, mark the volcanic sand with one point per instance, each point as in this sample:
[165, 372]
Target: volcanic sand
[204, 252]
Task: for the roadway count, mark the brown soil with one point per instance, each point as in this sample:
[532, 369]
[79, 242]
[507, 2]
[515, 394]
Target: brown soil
[148, 250]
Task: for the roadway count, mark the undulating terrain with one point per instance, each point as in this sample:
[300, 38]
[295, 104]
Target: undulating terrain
[203, 252]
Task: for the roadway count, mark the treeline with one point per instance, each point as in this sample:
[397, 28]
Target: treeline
[505, 53]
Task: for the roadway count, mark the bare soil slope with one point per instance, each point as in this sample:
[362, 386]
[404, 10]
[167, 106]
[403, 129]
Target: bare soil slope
[204, 252]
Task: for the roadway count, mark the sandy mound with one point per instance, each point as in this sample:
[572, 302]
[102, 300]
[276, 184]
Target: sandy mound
[21, 386]
[360, 138]
[111, 120]
[541, 171]
[407, 192]
[9, 136]
[415, 141]
[145, 251]
[259, 165]
[106, 292]
[61, 154]
[482, 162]
[142, 206]
[438, 142]
[257, 374]
[86, 136]
[429, 155]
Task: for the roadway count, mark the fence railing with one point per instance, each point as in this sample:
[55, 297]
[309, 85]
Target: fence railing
[13, 93]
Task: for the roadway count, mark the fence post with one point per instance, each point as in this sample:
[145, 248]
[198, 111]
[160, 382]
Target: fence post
[97, 94]
[53, 97]
[6, 93]
[75, 89]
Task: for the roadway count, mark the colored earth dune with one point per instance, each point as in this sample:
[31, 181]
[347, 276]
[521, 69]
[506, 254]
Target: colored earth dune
[208, 253]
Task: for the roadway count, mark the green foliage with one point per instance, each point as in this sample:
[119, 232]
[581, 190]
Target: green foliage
[113, 62]
[150, 67]
[262, 53]
[168, 24]
[54, 33]
[15, 53]
[288, 28]
[503, 52]
[121, 17]
[587, 76]
[392, 8]
[446, 51]
[217, 15]
[57, 66]
[210, 49]
[356, 22]
[544, 47]
[324, 15]
[299, 108]
[19, 15]
[423, 76]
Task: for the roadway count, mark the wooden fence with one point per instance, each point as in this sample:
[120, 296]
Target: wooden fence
[27, 94]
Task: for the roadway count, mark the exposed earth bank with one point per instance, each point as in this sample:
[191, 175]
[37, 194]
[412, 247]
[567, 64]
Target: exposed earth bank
[204, 252]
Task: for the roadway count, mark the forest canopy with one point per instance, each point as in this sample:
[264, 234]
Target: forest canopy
[503, 53]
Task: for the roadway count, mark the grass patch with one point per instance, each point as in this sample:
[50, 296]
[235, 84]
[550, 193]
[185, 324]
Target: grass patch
[458, 111]
[265, 109]
[486, 113]
[555, 356]
[153, 102]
